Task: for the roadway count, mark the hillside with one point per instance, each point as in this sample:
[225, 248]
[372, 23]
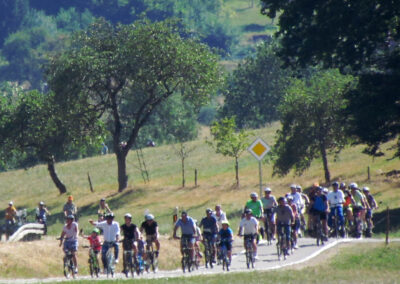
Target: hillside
[163, 193]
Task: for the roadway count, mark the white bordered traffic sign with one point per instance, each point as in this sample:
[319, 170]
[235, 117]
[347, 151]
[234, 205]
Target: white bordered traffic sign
[259, 149]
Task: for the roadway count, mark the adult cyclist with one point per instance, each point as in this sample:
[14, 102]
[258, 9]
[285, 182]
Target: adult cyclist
[210, 230]
[131, 235]
[150, 227]
[284, 219]
[368, 216]
[336, 200]
[249, 228]
[319, 206]
[269, 204]
[188, 230]
[69, 235]
[256, 207]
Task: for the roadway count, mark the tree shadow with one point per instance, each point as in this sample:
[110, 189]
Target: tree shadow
[380, 220]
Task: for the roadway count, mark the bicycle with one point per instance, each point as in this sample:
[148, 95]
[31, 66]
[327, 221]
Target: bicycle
[224, 256]
[208, 251]
[187, 261]
[283, 243]
[69, 267]
[248, 239]
[267, 225]
[110, 261]
[357, 231]
[151, 257]
[94, 266]
[129, 265]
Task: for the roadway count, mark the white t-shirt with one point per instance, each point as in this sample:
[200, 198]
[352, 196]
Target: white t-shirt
[72, 232]
[110, 232]
[336, 199]
[222, 217]
[249, 226]
[297, 199]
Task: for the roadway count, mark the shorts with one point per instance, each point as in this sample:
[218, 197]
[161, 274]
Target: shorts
[70, 245]
[187, 238]
[151, 238]
[269, 214]
[211, 237]
[127, 244]
[248, 238]
[322, 215]
[228, 245]
[296, 224]
[368, 214]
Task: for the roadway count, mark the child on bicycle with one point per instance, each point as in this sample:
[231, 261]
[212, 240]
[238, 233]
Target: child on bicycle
[225, 236]
[95, 242]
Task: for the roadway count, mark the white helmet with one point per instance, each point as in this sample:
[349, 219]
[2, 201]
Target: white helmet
[353, 185]
[267, 189]
[149, 217]
[128, 215]
[292, 185]
[10, 203]
[365, 188]
[253, 194]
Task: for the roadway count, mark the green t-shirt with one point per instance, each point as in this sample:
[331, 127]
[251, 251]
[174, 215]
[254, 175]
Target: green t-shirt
[256, 207]
[358, 196]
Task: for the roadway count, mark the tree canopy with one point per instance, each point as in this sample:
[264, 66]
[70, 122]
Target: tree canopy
[140, 65]
[360, 37]
[313, 122]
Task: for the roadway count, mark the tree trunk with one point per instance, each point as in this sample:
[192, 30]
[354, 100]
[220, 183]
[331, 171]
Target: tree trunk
[53, 174]
[183, 172]
[325, 162]
[237, 171]
[122, 177]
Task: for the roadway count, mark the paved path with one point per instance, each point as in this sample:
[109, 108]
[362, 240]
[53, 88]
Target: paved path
[268, 260]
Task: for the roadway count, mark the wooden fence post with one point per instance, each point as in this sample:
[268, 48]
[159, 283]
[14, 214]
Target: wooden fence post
[90, 183]
[195, 177]
[387, 225]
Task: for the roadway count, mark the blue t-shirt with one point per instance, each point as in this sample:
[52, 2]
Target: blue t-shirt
[186, 228]
[319, 203]
[226, 235]
[41, 214]
[209, 225]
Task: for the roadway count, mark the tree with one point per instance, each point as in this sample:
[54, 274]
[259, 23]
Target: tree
[359, 37]
[313, 123]
[228, 142]
[143, 64]
[255, 88]
[47, 128]
[183, 150]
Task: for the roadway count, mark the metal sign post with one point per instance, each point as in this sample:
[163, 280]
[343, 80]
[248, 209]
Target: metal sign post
[259, 149]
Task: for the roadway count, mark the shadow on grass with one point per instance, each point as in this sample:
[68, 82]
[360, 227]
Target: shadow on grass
[380, 220]
[254, 28]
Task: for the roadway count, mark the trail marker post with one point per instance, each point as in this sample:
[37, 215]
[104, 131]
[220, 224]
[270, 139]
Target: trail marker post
[259, 149]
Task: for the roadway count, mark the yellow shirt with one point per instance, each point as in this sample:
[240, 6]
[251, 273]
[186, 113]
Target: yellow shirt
[10, 213]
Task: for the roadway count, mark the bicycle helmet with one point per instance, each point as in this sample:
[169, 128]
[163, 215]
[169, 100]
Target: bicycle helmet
[128, 215]
[97, 231]
[335, 183]
[109, 215]
[267, 189]
[225, 222]
[253, 194]
[325, 190]
[292, 185]
[319, 188]
[41, 203]
[149, 217]
[208, 210]
[365, 188]
[248, 211]
[103, 199]
[299, 187]
[71, 217]
[289, 198]
[353, 185]
[10, 203]
[184, 213]
[343, 185]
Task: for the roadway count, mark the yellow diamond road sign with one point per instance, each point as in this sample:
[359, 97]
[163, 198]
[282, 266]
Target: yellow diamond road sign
[259, 149]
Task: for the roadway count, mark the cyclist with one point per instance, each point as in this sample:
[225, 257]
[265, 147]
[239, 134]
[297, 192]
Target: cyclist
[225, 236]
[70, 208]
[197, 239]
[296, 220]
[360, 203]
[41, 215]
[304, 206]
[311, 194]
[219, 215]
[111, 234]
[284, 218]
[188, 230]
[70, 232]
[319, 206]
[210, 230]
[131, 235]
[150, 227]
[103, 209]
[249, 227]
[336, 200]
[348, 206]
[269, 205]
[372, 206]
[95, 243]
[10, 214]
[256, 207]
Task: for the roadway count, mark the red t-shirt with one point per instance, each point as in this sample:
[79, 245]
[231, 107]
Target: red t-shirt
[95, 242]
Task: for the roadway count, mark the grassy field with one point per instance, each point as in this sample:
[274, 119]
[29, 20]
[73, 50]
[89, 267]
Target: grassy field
[351, 264]
[163, 193]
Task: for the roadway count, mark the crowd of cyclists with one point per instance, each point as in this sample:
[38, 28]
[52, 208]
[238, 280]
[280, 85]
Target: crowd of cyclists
[348, 210]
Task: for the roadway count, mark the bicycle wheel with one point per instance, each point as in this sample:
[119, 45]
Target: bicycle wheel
[91, 267]
[71, 267]
[154, 264]
[66, 267]
[110, 263]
